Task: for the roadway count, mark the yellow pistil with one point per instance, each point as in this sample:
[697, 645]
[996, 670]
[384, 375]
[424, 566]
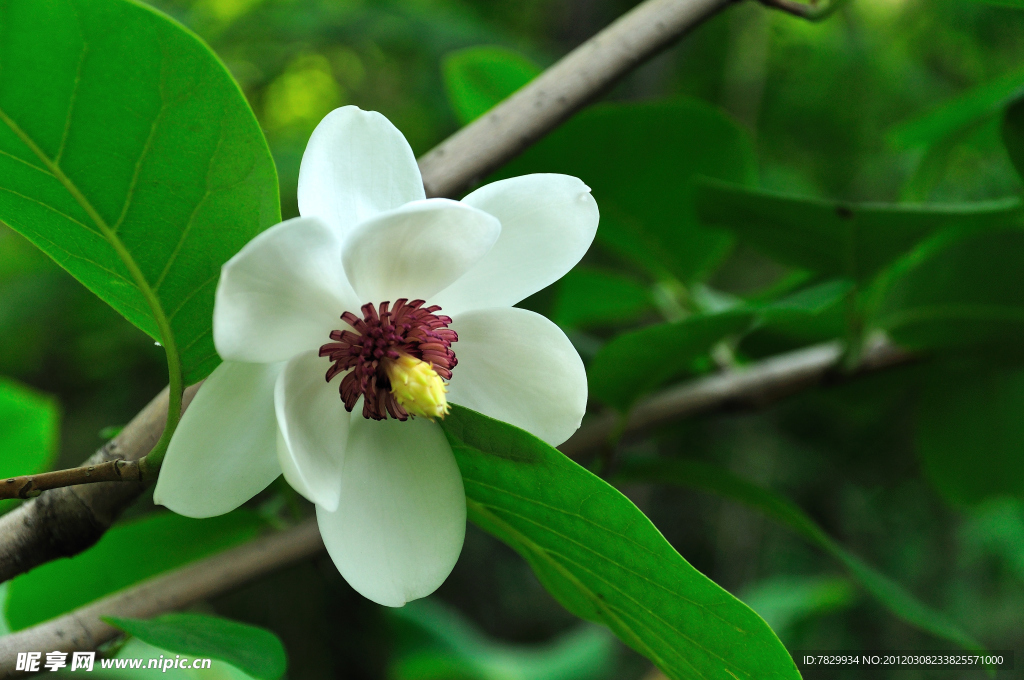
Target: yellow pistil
[417, 387]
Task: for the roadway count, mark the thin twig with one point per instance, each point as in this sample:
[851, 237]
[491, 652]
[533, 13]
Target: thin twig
[756, 385]
[63, 522]
[83, 630]
[30, 486]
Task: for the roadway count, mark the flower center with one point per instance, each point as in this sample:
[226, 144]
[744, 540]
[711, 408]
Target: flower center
[399, 359]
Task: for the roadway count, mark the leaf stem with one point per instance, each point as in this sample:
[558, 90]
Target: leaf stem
[174, 374]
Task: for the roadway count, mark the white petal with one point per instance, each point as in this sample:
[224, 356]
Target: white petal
[547, 224]
[417, 250]
[516, 366]
[356, 165]
[399, 528]
[314, 428]
[224, 450]
[282, 294]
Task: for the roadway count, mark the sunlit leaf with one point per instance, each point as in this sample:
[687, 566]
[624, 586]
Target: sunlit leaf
[256, 651]
[156, 543]
[970, 433]
[640, 160]
[637, 362]
[131, 157]
[709, 478]
[854, 241]
[29, 429]
[592, 297]
[604, 560]
[477, 78]
[783, 601]
[957, 291]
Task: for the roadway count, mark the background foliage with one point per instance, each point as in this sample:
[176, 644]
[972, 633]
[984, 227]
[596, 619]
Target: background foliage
[749, 181]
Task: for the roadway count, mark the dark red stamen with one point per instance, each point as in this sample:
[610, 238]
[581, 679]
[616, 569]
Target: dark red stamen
[381, 336]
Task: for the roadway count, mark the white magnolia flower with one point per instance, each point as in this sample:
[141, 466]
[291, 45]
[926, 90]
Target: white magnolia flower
[352, 292]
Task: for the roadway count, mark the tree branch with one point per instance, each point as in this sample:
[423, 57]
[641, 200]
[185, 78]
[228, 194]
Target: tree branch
[65, 521]
[83, 630]
[756, 385]
[30, 486]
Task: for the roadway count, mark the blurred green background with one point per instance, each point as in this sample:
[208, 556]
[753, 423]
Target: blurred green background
[828, 110]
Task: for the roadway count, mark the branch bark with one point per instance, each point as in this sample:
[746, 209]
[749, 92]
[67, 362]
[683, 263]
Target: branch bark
[30, 486]
[63, 522]
[83, 630]
[753, 386]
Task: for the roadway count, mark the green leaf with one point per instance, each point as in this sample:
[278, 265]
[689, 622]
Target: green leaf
[477, 78]
[156, 543]
[29, 432]
[254, 650]
[958, 291]
[1013, 133]
[29, 429]
[853, 241]
[722, 482]
[591, 297]
[604, 560]
[461, 651]
[139, 167]
[640, 160]
[968, 109]
[784, 601]
[970, 433]
[637, 362]
[1013, 4]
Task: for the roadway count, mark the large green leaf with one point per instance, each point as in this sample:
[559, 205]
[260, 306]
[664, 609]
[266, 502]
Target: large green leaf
[155, 544]
[593, 297]
[1013, 133]
[477, 78]
[838, 239]
[604, 560]
[705, 477]
[640, 160]
[130, 156]
[970, 432]
[456, 649]
[637, 362]
[29, 432]
[957, 291]
[256, 651]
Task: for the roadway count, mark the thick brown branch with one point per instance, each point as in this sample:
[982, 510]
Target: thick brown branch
[756, 385]
[30, 486]
[82, 629]
[63, 522]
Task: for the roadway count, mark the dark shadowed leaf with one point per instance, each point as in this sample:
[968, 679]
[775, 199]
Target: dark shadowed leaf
[477, 78]
[131, 157]
[1013, 134]
[637, 362]
[640, 161]
[957, 291]
[168, 541]
[970, 432]
[254, 650]
[716, 480]
[603, 559]
[854, 241]
[592, 297]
